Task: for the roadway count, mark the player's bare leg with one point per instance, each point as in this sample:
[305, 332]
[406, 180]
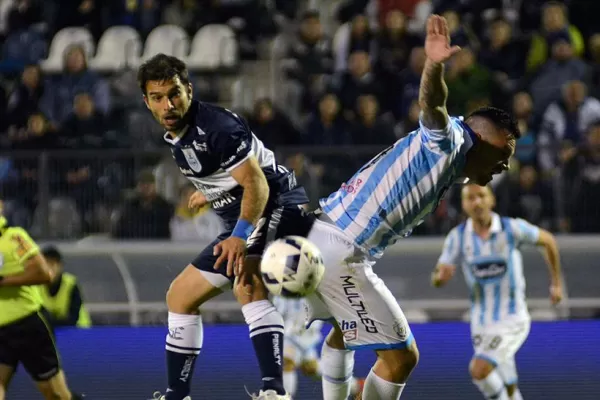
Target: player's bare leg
[187, 292]
[390, 373]
[487, 379]
[55, 388]
[266, 327]
[513, 392]
[6, 373]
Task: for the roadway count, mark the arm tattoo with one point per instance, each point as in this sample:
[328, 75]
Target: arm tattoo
[433, 94]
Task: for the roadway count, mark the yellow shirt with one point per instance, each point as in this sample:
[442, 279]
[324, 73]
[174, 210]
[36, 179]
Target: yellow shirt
[17, 302]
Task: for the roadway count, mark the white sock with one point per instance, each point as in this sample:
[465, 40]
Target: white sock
[492, 387]
[336, 367]
[185, 333]
[516, 395]
[380, 389]
[290, 381]
[354, 386]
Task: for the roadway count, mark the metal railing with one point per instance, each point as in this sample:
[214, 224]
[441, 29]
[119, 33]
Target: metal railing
[31, 182]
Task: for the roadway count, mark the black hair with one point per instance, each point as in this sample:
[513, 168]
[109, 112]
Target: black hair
[162, 67]
[500, 118]
[51, 253]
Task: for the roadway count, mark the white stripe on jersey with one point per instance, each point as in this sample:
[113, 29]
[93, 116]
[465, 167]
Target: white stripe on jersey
[497, 296]
[394, 191]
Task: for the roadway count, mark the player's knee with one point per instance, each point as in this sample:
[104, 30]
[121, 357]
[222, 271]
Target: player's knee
[480, 369]
[335, 339]
[288, 365]
[400, 362]
[310, 368]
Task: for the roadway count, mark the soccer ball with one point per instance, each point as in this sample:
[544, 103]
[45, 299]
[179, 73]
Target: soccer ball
[292, 267]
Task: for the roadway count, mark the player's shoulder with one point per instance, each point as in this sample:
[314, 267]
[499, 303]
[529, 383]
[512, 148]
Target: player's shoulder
[211, 119]
[16, 232]
[19, 237]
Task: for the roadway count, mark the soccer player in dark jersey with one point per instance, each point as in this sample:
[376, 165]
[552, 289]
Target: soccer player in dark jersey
[258, 201]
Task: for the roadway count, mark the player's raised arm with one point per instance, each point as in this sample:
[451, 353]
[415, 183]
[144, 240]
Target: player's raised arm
[36, 270]
[433, 91]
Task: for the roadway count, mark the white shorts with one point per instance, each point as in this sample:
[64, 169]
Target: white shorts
[297, 353]
[499, 345]
[354, 296]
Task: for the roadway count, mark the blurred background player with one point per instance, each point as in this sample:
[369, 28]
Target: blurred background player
[62, 296]
[25, 337]
[486, 246]
[300, 351]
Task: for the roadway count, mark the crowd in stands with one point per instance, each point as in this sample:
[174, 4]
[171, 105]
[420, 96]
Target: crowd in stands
[348, 92]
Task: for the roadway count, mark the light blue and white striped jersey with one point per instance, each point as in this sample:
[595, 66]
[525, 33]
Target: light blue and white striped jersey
[295, 318]
[493, 268]
[397, 189]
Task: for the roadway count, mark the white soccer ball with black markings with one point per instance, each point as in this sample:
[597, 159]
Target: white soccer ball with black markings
[292, 267]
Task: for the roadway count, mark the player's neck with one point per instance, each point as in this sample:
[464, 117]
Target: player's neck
[482, 226]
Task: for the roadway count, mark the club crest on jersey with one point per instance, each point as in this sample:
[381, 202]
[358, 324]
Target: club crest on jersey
[200, 146]
[192, 159]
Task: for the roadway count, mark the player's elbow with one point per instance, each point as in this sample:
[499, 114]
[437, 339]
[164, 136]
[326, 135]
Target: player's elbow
[547, 240]
[41, 273]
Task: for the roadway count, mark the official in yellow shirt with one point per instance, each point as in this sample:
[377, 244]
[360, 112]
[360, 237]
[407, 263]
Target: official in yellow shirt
[62, 297]
[25, 338]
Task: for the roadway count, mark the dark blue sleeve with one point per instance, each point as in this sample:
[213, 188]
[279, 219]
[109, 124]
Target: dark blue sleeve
[231, 138]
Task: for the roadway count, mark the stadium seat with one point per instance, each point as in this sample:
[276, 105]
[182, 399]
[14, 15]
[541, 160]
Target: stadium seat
[63, 219]
[416, 316]
[5, 7]
[118, 48]
[214, 46]
[63, 39]
[168, 39]
[543, 314]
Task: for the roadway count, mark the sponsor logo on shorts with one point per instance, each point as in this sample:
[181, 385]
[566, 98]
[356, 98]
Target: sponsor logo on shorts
[349, 330]
[175, 333]
[355, 301]
[401, 329]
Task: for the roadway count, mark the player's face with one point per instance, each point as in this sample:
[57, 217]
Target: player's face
[168, 101]
[477, 201]
[489, 155]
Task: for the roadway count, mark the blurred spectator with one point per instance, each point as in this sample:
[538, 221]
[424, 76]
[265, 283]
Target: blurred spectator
[371, 127]
[194, 225]
[35, 135]
[23, 15]
[83, 13]
[358, 80]
[560, 69]
[530, 198]
[459, 33]
[58, 99]
[394, 45]
[84, 128]
[410, 80]
[326, 126]
[582, 184]
[310, 59]
[272, 126]
[20, 49]
[503, 54]
[594, 48]
[411, 121]
[522, 108]
[350, 37]
[145, 215]
[555, 28]
[470, 85]
[405, 7]
[25, 97]
[565, 122]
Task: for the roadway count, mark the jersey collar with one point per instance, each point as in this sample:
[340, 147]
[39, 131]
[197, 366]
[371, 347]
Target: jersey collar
[174, 140]
[496, 226]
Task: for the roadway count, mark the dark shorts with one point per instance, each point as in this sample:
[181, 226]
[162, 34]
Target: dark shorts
[30, 342]
[275, 224]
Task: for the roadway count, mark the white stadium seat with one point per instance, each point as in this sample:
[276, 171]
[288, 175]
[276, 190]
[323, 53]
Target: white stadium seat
[119, 47]
[168, 39]
[214, 46]
[543, 314]
[64, 39]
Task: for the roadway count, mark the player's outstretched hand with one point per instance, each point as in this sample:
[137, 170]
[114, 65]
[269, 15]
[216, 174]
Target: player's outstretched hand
[442, 274]
[232, 250]
[197, 200]
[556, 293]
[437, 41]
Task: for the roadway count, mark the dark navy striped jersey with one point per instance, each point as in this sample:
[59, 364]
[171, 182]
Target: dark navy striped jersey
[214, 143]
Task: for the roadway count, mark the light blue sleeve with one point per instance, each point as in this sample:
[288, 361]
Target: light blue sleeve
[447, 139]
[451, 254]
[525, 232]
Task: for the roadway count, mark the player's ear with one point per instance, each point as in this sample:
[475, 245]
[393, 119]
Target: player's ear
[190, 90]
[146, 101]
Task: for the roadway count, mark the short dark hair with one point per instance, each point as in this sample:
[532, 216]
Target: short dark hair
[500, 118]
[162, 67]
[51, 253]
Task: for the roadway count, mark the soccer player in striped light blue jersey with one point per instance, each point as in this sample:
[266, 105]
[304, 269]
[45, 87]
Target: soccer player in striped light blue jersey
[382, 203]
[486, 247]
